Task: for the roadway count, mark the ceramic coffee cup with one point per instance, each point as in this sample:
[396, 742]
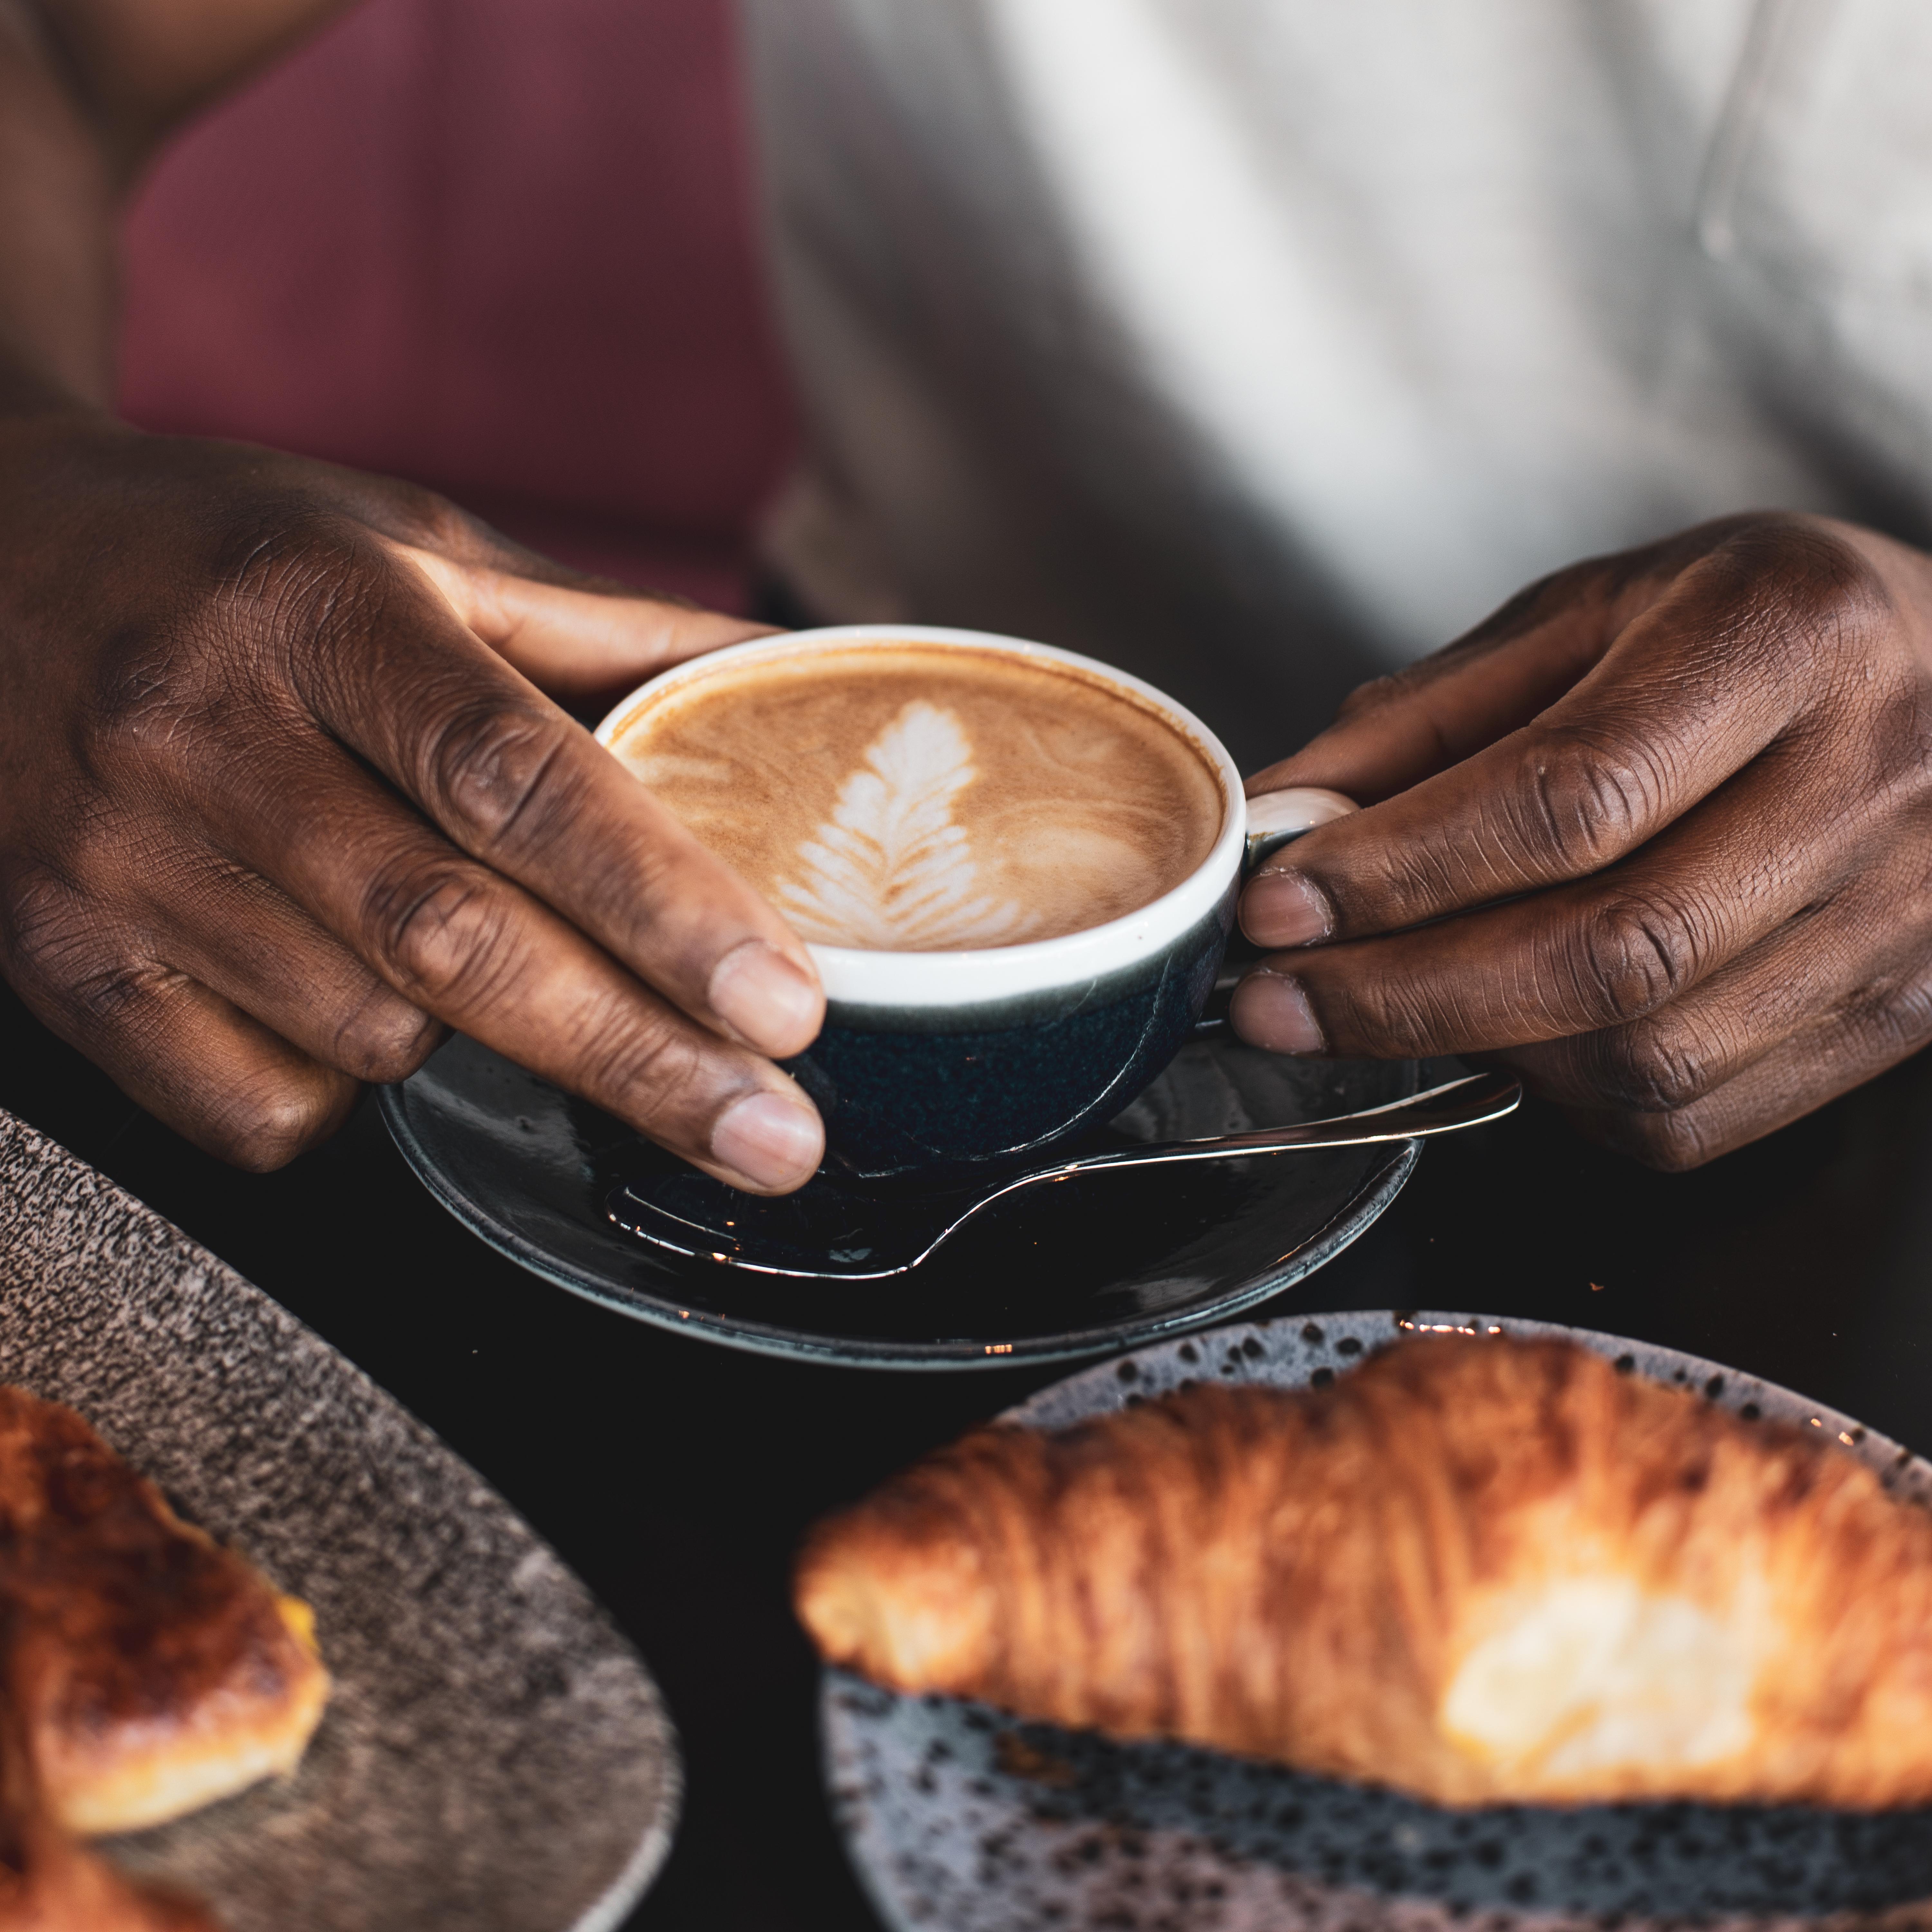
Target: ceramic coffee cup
[940, 1064]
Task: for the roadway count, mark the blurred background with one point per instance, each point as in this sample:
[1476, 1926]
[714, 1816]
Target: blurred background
[505, 250]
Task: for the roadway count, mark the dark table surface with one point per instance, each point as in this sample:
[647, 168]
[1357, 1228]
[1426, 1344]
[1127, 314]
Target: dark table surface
[676, 1478]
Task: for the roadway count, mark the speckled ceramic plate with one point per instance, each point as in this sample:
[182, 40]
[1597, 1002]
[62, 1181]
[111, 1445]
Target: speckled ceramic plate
[1104, 1262]
[957, 1816]
[495, 1756]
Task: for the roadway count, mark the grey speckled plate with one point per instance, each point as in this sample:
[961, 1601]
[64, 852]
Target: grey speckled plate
[958, 1817]
[1103, 1262]
[495, 1755]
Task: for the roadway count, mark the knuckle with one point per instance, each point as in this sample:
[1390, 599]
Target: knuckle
[434, 522]
[63, 954]
[148, 680]
[263, 1121]
[1795, 600]
[1586, 795]
[160, 690]
[443, 932]
[274, 589]
[47, 933]
[1655, 1066]
[58, 948]
[1896, 1013]
[1628, 956]
[285, 582]
[1396, 1015]
[112, 996]
[1796, 569]
[655, 1062]
[264, 544]
[1400, 878]
[500, 773]
[1672, 1142]
[1899, 759]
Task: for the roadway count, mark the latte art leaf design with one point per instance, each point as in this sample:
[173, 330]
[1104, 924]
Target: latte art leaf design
[891, 871]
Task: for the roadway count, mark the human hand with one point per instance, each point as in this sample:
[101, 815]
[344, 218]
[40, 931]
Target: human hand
[1670, 813]
[282, 797]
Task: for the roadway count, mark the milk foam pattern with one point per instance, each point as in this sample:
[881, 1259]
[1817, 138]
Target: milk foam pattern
[891, 870]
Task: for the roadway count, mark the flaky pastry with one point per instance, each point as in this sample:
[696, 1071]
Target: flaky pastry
[153, 1670]
[1477, 1569]
[50, 1883]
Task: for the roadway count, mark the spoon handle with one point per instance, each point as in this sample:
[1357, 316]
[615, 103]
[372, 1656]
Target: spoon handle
[1467, 1103]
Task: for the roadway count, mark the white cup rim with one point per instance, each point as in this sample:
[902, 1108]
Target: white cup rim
[990, 975]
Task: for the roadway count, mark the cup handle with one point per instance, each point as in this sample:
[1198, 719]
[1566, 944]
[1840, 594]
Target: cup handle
[1274, 820]
[1277, 816]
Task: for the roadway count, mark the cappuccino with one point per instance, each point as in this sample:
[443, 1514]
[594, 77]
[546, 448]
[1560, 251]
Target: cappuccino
[917, 797]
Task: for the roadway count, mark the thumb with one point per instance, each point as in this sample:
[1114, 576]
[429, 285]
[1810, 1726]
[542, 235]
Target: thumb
[574, 640]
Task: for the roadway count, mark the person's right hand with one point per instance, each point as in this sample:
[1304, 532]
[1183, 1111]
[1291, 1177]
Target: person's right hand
[282, 797]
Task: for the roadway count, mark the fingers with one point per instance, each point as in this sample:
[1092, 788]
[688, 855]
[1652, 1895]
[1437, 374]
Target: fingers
[1686, 697]
[1854, 958]
[214, 1002]
[456, 938]
[1577, 959]
[517, 785]
[1828, 1058]
[1672, 1058]
[1398, 731]
[568, 639]
[1394, 732]
[243, 939]
[218, 1078]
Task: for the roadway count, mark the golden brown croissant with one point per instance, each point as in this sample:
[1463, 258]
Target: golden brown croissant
[153, 1670]
[48, 1882]
[1478, 1569]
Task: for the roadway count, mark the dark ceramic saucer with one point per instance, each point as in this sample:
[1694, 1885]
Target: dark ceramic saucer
[1100, 1263]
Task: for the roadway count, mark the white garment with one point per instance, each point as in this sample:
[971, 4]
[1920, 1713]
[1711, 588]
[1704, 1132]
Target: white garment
[1262, 345]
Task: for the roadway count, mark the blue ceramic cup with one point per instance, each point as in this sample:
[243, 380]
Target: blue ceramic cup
[941, 1065]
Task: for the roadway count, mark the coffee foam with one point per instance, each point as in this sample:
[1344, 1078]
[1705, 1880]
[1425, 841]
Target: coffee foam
[909, 797]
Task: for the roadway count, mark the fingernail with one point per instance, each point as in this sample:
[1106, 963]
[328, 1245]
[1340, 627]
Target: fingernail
[1285, 908]
[767, 1001]
[1271, 1010]
[771, 1140]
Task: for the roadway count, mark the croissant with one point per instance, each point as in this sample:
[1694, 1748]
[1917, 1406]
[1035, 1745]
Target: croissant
[153, 1670]
[1476, 1569]
[49, 1882]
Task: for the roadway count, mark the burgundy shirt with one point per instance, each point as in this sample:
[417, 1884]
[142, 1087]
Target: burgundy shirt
[503, 247]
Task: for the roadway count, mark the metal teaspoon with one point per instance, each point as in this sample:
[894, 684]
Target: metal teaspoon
[883, 1235]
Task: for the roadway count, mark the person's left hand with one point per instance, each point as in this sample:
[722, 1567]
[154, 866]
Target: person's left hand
[1658, 835]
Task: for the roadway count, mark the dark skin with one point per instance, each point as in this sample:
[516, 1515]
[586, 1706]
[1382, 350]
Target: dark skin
[1669, 816]
[285, 789]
